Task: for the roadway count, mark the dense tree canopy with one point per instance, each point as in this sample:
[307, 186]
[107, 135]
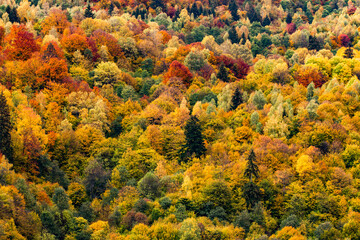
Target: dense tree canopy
[153, 119]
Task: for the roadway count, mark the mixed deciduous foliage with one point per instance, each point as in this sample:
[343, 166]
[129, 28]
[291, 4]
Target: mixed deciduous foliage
[155, 119]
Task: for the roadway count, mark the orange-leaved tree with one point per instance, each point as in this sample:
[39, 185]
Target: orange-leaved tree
[74, 42]
[310, 73]
[56, 19]
[20, 44]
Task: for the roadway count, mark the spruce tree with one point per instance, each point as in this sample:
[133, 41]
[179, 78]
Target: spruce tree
[194, 140]
[243, 38]
[266, 21]
[157, 3]
[88, 12]
[251, 168]
[252, 15]
[194, 9]
[233, 36]
[176, 15]
[288, 18]
[234, 10]
[251, 192]
[111, 9]
[201, 10]
[13, 16]
[5, 128]
[236, 99]
[223, 73]
[313, 43]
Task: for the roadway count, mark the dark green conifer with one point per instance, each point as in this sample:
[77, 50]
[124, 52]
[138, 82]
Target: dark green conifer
[252, 15]
[157, 3]
[233, 7]
[251, 170]
[243, 38]
[266, 21]
[288, 18]
[194, 140]
[13, 16]
[313, 43]
[194, 9]
[236, 99]
[5, 129]
[223, 73]
[88, 12]
[233, 36]
[251, 193]
[111, 8]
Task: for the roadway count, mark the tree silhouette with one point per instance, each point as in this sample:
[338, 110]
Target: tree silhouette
[5, 128]
[251, 168]
[194, 140]
[111, 9]
[233, 36]
[288, 18]
[236, 99]
[266, 21]
[233, 7]
[252, 14]
[88, 12]
[223, 73]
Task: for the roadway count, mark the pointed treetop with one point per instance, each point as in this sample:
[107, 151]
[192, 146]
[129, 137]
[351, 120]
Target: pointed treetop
[251, 168]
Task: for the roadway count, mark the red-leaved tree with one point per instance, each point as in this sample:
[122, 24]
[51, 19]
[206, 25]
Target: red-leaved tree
[178, 70]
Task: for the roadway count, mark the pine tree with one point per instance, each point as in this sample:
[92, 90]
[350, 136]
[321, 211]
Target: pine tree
[313, 43]
[233, 36]
[233, 7]
[5, 128]
[157, 3]
[88, 12]
[349, 52]
[176, 15]
[243, 38]
[111, 9]
[136, 13]
[251, 193]
[223, 73]
[194, 10]
[251, 168]
[201, 10]
[266, 21]
[194, 140]
[13, 16]
[252, 15]
[288, 18]
[8, 9]
[236, 99]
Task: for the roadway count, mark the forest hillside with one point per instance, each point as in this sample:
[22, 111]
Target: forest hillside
[179, 119]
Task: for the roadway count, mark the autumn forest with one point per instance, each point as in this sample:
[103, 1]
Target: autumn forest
[179, 119]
